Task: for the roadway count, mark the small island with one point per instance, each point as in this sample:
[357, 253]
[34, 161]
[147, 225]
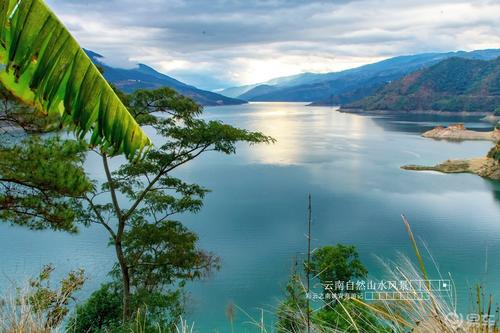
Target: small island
[487, 167]
[459, 132]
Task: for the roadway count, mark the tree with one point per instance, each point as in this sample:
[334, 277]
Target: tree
[47, 81]
[43, 66]
[43, 185]
[138, 202]
[341, 263]
[42, 179]
[328, 264]
[337, 263]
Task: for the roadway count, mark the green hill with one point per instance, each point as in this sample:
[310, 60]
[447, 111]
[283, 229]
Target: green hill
[453, 85]
[338, 88]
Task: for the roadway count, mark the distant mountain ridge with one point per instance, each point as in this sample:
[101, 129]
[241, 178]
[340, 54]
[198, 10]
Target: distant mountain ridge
[453, 85]
[145, 77]
[342, 87]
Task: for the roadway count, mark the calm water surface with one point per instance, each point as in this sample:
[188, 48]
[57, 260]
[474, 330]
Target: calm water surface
[255, 218]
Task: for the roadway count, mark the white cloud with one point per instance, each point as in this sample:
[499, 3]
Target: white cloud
[218, 43]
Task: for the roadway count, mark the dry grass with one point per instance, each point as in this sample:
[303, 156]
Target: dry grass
[436, 313]
[184, 327]
[18, 316]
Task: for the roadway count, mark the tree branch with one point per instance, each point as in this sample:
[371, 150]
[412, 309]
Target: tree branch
[111, 187]
[161, 174]
[99, 218]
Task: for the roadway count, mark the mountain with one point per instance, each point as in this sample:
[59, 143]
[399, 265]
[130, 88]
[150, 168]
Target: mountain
[346, 86]
[145, 77]
[257, 91]
[281, 82]
[235, 92]
[454, 85]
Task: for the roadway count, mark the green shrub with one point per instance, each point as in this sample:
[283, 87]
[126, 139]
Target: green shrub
[102, 312]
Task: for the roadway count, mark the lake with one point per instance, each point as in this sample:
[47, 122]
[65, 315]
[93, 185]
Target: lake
[255, 218]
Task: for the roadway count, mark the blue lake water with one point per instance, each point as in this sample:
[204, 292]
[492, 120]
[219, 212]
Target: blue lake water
[255, 218]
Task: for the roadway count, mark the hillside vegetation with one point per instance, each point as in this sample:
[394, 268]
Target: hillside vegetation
[453, 85]
[336, 88]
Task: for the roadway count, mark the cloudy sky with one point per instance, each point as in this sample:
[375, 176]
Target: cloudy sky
[219, 43]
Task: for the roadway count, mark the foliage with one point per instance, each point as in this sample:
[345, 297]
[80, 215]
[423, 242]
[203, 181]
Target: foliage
[41, 181]
[44, 186]
[15, 116]
[349, 316]
[292, 312]
[159, 254]
[40, 308]
[337, 263]
[155, 252]
[102, 311]
[41, 177]
[43, 65]
[329, 264]
[341, 263]
[453, 85]
[54, 304]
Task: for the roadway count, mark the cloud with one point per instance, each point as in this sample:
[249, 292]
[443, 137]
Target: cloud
[218, 43]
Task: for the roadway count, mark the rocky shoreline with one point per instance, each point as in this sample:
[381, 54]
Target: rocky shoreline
[484, 167]
[458, 132]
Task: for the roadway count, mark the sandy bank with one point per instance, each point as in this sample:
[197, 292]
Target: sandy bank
[484, 167]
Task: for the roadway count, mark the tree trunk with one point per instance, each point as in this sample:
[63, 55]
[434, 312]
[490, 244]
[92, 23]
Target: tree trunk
[125, 280]
[118, 241]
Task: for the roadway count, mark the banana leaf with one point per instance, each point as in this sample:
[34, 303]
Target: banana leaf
[43, 66]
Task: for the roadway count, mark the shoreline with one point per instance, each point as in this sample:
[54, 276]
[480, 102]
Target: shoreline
[486, 167]
[458, 132]
[483, 166]
[405, 112]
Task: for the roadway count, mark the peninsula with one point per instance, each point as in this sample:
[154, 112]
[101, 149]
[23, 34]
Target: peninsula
[459, 132]
[484, 166]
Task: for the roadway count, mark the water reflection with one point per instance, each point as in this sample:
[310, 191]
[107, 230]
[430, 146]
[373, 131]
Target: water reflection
[422, 122]
[304, 134]
[255, 217]
[495, 188]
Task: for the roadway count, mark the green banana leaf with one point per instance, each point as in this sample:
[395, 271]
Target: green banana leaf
[43, 66]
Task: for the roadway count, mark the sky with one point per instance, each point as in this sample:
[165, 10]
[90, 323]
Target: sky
[214, 44]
